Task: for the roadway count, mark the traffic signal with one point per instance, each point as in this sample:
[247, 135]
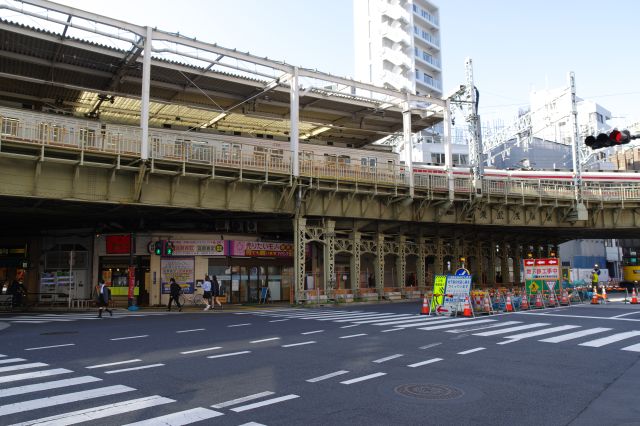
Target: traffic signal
[613, 138]
[158, 248]
[168, 248]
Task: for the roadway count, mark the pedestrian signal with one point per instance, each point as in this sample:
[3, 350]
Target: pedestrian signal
[158, 248]
[168, 248]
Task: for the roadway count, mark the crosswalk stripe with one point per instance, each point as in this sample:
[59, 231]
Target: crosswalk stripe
[313, 332]
[484, 327]
[470, 351]
[632, 348]
[50, 347]
[421, 363]
[459, 324]
[310, 342]
[363, 378]
[252, 424]
[51, 401]
[521, 336]
[34, 375]
[352, 335]
[263, 403]
[20, 390]
[575, 335]
[280, 320]
[142, 336]
[398, 317]
[99, 412]
[242, 399]
[22, 366]
[11, 360]
[510, 329]
[327, 376]
[352, 317]
[387, 358]
[265, 340]
[407, 321]
[124, 370]
[381, 317]
[229, 354]
[200, 350]
[180, 418]
[445, 321]
[611, 339]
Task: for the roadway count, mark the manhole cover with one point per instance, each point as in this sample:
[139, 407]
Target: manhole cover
[55, 333]
[429, 391]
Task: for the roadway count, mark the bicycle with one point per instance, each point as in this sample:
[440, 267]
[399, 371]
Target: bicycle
[194, 299]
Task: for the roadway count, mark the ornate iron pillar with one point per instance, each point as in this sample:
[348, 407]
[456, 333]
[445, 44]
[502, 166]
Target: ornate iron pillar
[480, 263]
[491, 272]
[439, 262]
[401, 262]
[517, 261]
[422, 264]
[355, 261]
[329, 255]
[504, 262]
[379, 266]
[299, 244]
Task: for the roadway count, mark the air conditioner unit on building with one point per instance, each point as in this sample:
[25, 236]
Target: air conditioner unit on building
[251, 226]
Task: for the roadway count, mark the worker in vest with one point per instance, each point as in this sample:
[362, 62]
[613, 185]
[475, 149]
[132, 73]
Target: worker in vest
[595, 277]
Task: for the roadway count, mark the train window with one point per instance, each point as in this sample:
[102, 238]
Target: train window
[87, 136]
[260, 153]
[331, 159]
[306, 156]
[364, 161]
[390, 165]
[277, 153]
[373, 162]
[344, 159]
[10, 126]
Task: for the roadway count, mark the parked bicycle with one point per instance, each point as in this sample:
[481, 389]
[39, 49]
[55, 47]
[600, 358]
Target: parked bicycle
[194, 299]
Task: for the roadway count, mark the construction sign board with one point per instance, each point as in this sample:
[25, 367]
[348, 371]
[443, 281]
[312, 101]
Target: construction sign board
[457, 289]
[542, 275]
[439, 283]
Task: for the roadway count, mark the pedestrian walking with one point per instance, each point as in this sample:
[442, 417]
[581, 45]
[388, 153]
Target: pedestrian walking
[174, 294]
[103, 295]
[217, 291]
[206, 288]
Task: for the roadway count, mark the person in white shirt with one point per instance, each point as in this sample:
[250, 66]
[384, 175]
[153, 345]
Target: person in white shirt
[206, 288]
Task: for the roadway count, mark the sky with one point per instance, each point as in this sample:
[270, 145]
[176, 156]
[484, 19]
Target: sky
[516, 46]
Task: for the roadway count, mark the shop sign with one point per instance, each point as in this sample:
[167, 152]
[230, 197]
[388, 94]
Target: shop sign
[118, 244]
[261, 249]
[542, 269]
[182, 269]
[199, 247]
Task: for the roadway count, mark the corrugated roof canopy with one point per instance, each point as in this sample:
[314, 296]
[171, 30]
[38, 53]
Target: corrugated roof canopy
[59, 63]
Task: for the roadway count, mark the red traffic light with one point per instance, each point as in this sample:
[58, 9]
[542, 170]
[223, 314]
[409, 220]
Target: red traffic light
[613, 138]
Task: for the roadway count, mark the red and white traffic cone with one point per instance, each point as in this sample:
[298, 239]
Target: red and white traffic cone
[508, 306]
[467, 308]
[524, 304]
[634, 297]
[425, 306]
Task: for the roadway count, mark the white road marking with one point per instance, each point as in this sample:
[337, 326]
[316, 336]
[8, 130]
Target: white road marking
[484, 327]
[392, 329]
[310, 342]
[352, 316]
[242, 399]
[387, 358]
[510, 329]
[23, 366]
[200, 350]
[239, 325]
[11, 360]
[99, 412]
[430, 345]
[252, 424]
[49, 347]
[438, 327]
[180, 418]
[429, 361]
[409, 320]
[577, 316]
[229, 354]
[470, 351]
[189, 331]
[349, 326]
[352, 335]
[632, 348]
[280, 320]
[263, 403]
[363, 378]
[396, 317]
[265, 340]
[624, 315]
[379, 317]
[142, 336]
[611, 339]
[51, 401]
[20, 390]
[521, 336]
[446, 321]
[34, 375]
[327, 376]
[142, 367]
[114, 363]
[574, 335]
[313, 332]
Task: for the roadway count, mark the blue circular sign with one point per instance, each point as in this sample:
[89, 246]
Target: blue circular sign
[462, 272]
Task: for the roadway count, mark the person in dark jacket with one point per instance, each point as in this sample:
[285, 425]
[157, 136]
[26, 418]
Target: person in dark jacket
[215, 287]
[103, 295]
[174, 294]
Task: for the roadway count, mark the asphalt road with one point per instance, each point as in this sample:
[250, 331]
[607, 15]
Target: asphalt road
[358, 365]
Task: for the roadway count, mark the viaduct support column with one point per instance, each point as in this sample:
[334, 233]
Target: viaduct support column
[422, 265]
[300, 240]
[439, 262]
[329, 256]
[504, 263]
[517, 261]
[480, 262]
[379, 266]
[355, 263]
[491, 272]
[401, 262]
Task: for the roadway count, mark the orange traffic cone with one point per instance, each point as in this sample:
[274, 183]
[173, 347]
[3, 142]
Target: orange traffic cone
[539, 301]
[634, 297]
[604, 294]
[508, 306]
[565, 298]
[486, 308]
[524, 305]
[552, 298]
[425, 306]
[467, 308]
[594, 299]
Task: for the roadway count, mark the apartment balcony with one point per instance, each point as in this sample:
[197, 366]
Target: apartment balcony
[396, 12]
[430, 63]
[432, 84]
[396, 35]
[396, 80]
[396, 57]
[427, 19]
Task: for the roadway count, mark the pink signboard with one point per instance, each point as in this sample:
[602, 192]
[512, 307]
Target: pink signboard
[261, 249]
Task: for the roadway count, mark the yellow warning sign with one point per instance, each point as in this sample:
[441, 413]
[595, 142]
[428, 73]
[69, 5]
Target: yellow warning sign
[439, 284]
[533, 287]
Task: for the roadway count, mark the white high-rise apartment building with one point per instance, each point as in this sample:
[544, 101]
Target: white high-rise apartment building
[397, 44]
